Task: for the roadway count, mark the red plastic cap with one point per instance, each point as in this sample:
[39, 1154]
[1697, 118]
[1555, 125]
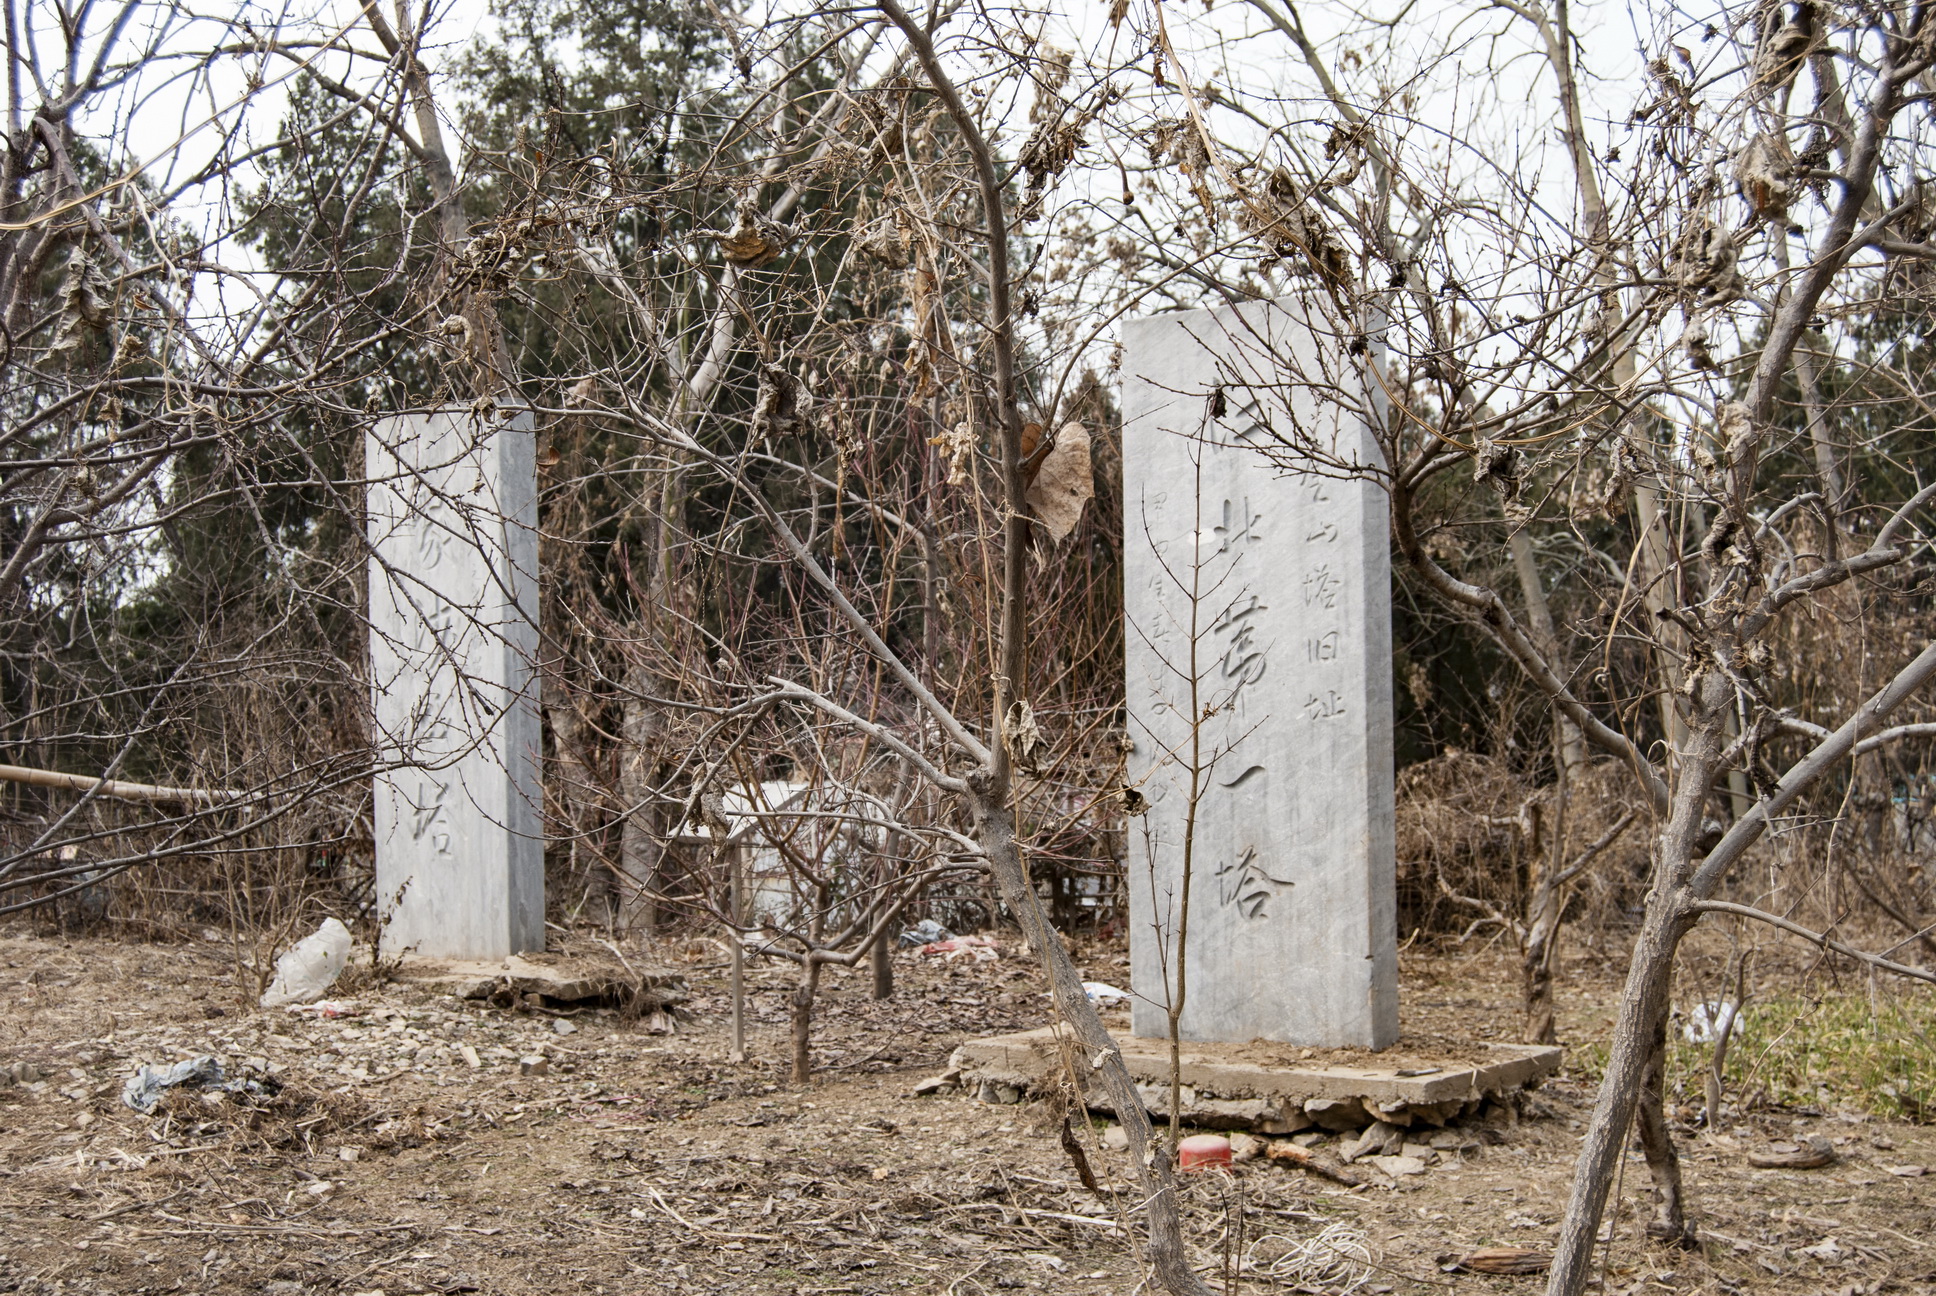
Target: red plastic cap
[1201, 1151]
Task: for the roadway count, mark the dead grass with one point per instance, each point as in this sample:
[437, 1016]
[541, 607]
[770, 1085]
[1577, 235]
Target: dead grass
[645, 1164]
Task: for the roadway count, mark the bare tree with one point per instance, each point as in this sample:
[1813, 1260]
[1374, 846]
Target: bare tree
[1631, 361]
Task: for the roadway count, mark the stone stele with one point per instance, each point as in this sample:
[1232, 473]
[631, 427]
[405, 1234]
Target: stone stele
[1274, 580]
[452, 515]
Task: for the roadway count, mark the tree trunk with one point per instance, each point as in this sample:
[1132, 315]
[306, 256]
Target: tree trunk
[1644, 1000]
[736, 976]
[1670, 1223]
[577, 791]
[1547, 903]
[1642, 1020]
[803, 997]
[1539, 618]
[1541, 957]
[640, 846]
[995, 823]
[880, 960]
[1657, 567]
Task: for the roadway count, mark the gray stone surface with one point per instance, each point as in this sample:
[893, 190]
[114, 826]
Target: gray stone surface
[1272, 1090]
[1291, 909]
[452, 516]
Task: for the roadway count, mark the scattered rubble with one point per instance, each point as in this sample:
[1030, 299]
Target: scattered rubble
[556, 981]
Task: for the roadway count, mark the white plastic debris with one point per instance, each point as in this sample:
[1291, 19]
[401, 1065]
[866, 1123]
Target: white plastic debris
[310, 967]
[1104, 995]
[1710, 1023]
[146, 1086]
[925, 932]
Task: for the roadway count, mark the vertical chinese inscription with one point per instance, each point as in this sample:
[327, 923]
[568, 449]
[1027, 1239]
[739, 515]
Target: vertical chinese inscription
[1291, 921]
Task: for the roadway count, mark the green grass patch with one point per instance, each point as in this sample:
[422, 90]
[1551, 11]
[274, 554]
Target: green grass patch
[1836, 1051]
[1876, 1055]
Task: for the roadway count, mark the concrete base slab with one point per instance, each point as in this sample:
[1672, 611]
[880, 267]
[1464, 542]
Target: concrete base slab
[558, 979]
[1267, 1087]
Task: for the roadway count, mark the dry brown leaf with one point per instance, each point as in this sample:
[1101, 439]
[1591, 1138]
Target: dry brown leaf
[749, 247]
[1031, 440]
[1763, 170]
[1064, 484]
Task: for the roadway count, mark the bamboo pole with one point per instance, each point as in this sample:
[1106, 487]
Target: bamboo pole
[115, 788]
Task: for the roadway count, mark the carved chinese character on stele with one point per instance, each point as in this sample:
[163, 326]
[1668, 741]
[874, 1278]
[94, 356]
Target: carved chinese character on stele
[1269, 572]
[452, 516]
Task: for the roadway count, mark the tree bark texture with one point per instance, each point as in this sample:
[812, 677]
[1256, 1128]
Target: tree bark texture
[1097, 1051]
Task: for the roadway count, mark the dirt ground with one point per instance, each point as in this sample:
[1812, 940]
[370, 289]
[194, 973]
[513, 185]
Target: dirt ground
[406, 1150]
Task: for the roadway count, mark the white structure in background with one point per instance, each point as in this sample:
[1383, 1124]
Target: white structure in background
[754, 815]
[1292, 907]
[453, 531]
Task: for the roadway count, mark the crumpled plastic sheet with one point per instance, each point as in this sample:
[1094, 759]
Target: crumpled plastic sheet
[146, 1086]
[925, 932]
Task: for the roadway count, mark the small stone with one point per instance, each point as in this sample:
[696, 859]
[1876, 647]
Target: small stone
[933, 1085]
[1396, 1166]
[283, 1287]
[1337, 1114]
[348, 1153]
[1309, 1138]
[1908, 1171]
[563, 1027]
[1418, 1152]
[535, 1065]
[1380, 1138]
[320, 1188]
[1116, 1139]
[470, 1057]
[1245, 1147]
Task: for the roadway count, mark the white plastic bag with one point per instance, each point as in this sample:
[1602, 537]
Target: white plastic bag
[306, 972]
[1710, 1023]
[1104, 995]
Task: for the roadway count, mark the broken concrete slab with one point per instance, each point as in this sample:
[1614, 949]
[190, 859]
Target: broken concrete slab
[558, 980]
[1269, 1088]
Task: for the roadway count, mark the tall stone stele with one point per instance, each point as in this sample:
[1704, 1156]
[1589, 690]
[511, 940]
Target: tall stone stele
[1258, 600]
[453, 516]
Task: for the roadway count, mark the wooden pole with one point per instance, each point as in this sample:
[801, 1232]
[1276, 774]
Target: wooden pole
[113, 787]
[739, 957]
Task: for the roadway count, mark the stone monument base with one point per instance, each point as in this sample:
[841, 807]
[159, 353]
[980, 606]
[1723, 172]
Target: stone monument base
[1266, 1087]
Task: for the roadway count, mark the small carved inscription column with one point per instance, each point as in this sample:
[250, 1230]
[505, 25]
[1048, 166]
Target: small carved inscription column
[453, 645]
[1259, 671]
